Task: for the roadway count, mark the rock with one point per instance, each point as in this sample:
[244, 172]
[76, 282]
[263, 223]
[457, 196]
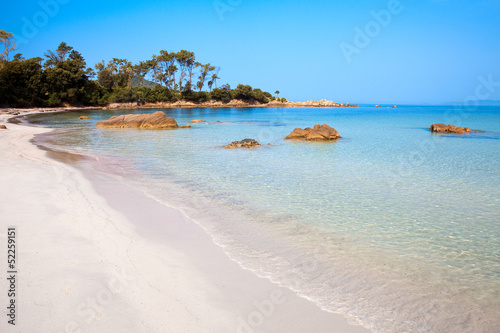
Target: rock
[83, 117]
[186, 126]
[198, 121]
[377, 106]
[157, 120]
[3, 127]
[442, 128]
[394, 106]
[246, 143]
[318, 133]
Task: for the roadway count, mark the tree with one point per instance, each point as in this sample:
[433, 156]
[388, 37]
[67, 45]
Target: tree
[215, 76]
[243, 92]
[167, 68]
[66, 75]
[22, 83]
[118, 73]
[104, 76]
[222, 94]
[204, 72]
[277, 92]
[54, 58]
[186, 61]
[141, 70]
[9, 44]
[260, 96]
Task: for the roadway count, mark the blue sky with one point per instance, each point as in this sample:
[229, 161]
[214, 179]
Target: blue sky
[427, 51]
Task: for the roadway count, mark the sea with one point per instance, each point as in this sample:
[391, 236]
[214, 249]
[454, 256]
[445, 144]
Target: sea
[392, 226]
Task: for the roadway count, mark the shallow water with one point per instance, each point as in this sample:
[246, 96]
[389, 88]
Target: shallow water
[393, 226]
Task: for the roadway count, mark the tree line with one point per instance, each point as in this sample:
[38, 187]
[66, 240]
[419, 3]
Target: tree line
[62, 77]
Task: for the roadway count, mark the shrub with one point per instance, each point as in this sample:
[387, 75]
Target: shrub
[243, 92]
[222, 94]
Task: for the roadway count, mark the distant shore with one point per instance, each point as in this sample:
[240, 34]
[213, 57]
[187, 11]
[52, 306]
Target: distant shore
[179, 104]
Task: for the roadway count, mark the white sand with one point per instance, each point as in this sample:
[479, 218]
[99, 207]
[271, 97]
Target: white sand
[97, 256]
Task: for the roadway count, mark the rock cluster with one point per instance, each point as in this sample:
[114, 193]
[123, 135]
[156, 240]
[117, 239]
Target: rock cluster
[246, 143]
[442, 128]
[321, 104]
[317, 133]
[83, 117]
[157, 120]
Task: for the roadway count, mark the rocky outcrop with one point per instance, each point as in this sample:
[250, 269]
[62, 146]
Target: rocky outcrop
[312, 104]
[317, 133]
[235, 103]
[246, 143]
[195, 121]
[3, 127]
[157, 120]
[186, 126]
[83, 118]
[451, 129]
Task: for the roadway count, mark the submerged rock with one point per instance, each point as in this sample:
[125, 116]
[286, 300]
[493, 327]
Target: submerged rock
[194, 121]
[83, 117]
[318, 133]
[246, 143]
[157, 120]
[442, 128]
[186, 126]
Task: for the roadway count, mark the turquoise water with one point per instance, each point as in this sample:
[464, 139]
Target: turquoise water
[390, 222]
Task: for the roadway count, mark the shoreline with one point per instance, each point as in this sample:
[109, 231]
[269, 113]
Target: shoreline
[174, 105]
[179, 273]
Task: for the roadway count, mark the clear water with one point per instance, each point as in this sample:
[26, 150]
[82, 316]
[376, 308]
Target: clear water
[392, 226]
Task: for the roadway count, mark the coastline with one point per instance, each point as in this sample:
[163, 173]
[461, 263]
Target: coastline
[176, 105]
[94, 260]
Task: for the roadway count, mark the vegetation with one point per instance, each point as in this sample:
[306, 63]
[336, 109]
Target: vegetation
[62, 77]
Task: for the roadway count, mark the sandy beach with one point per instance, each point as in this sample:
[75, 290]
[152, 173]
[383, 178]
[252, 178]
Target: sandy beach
[94, 255]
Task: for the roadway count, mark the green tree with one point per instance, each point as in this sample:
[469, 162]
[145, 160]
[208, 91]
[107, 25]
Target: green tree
[166, 68]
[59, 56]
[260, 96]
[22, 83]
[9, 44]
[222, 94]
[186, 61]
[243, 92]
[215, 77]
[204, 72]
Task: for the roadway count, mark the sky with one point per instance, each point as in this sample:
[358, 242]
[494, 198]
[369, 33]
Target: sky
[364, 51]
